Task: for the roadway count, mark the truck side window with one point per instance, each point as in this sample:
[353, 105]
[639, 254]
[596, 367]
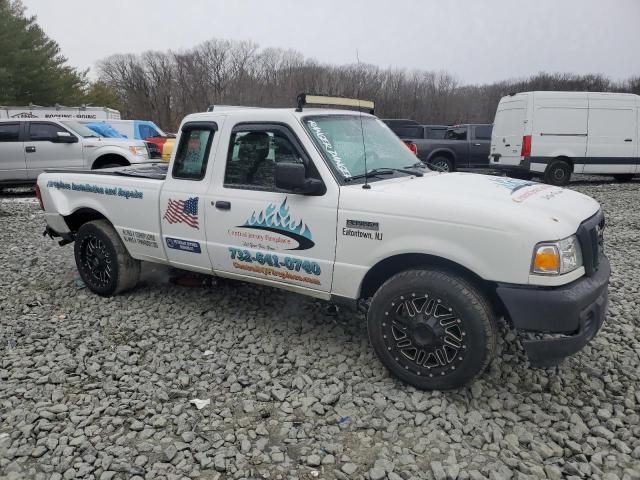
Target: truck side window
[483, 132]
[146, 131]
[456, 134]
[252, 158]
[9, 132]
[193, 152]
[44, 132]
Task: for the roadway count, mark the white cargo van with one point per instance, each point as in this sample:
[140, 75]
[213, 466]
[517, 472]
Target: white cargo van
[555, 134]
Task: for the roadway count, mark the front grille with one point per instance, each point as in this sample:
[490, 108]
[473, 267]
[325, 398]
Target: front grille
[591, 237]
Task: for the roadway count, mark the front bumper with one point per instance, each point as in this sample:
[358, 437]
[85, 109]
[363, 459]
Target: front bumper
[567, 317]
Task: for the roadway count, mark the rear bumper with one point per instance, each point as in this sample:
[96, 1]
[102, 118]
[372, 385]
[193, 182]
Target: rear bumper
[568, 317]
[523, 166]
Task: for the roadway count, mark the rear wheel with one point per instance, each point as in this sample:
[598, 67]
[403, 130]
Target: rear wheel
[441, 164]
[558, 173]
[431, 329]
[103, 261]
[623, 177]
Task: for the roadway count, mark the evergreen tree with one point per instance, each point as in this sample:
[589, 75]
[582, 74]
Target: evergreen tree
[32, 69]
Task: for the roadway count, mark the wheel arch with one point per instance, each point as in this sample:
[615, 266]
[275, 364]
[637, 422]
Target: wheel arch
[390, 266]
[109, 158]
[83, 215]
[565, 158]
[443, 152]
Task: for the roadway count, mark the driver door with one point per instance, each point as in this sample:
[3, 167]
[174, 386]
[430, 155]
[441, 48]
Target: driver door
[42, 149]
[255, 230]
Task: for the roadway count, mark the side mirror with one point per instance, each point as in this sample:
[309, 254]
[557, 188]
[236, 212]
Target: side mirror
[65, 137]
[292, 177]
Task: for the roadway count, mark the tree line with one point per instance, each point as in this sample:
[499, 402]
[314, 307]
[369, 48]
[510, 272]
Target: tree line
[165, 86]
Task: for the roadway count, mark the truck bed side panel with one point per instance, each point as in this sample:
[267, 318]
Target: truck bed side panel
[129, 204]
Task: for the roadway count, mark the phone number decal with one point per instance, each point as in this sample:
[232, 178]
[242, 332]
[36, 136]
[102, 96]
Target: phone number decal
[272, 260]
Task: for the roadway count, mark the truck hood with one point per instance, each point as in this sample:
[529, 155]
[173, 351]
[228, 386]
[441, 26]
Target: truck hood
[484, 200]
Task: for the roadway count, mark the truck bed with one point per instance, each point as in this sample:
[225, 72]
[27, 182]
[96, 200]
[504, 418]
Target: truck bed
[155, 171]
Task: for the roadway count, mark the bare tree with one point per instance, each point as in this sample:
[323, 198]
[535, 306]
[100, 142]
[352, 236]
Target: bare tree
[165, 86]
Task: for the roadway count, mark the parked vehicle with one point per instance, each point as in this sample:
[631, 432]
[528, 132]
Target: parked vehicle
[147, 131]
[328, 203]
[60, 112]
[557, 134]
[463, 146]
[105, 130]
[415, 130]
[28, 147]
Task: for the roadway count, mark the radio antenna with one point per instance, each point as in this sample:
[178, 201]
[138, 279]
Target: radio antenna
[366, 185]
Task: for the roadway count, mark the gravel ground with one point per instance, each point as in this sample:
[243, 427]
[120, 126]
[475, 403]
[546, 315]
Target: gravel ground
[102, 388]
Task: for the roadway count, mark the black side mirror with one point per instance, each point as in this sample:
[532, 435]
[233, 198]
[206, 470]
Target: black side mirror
[65, 137]
[293, 178]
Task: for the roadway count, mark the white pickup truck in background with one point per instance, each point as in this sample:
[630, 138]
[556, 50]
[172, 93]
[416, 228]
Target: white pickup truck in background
[331, 204]
[30, 146]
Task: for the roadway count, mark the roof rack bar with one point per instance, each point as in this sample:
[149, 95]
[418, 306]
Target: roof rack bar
[334, 101]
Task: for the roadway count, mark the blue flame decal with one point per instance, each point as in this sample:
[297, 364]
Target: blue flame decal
[278, 219]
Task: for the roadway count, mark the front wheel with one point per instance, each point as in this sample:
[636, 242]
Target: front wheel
[103, 261]
[432, 329]
[441, 164]
[558, 173]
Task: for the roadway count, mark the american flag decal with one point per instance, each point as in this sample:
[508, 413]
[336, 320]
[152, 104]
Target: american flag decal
[183, 211]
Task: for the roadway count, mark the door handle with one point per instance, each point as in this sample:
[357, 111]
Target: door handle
[223, 205]
[478, 144]
[628, 140]
[30, 149]
[507, 144]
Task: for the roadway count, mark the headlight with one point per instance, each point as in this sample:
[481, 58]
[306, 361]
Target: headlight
[556, 258]
[139, 151]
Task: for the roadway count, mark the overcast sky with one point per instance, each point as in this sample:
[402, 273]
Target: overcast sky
[478, 41]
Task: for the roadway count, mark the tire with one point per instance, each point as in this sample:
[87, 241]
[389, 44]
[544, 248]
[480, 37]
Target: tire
[558, 173]
[623, 177]
[421, 350]
[441, 164]
[103, 261]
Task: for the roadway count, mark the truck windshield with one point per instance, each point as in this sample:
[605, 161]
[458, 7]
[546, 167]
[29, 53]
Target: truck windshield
[343, 139]
[80, 129]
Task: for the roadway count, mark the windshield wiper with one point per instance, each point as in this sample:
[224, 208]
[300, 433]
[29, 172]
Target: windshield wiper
[384, 171]
[417, 165]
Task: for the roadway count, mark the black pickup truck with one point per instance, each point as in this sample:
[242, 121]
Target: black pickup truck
[447, 148]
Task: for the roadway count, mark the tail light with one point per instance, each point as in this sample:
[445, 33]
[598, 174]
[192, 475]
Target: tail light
[39, 197]
[413, 147]
[526, 146]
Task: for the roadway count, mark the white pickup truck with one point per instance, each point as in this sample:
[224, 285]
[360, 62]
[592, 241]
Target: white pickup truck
[329, 203]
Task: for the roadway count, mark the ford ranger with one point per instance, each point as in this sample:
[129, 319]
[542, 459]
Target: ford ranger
[329, 203]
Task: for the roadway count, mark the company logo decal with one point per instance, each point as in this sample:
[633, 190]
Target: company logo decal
[97, 189]
[288, 233]
[183, 211]
[362, 229]
[519, 195]
[184, 245]
[512, 184]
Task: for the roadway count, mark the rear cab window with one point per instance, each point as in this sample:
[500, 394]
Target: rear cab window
[193, 151]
